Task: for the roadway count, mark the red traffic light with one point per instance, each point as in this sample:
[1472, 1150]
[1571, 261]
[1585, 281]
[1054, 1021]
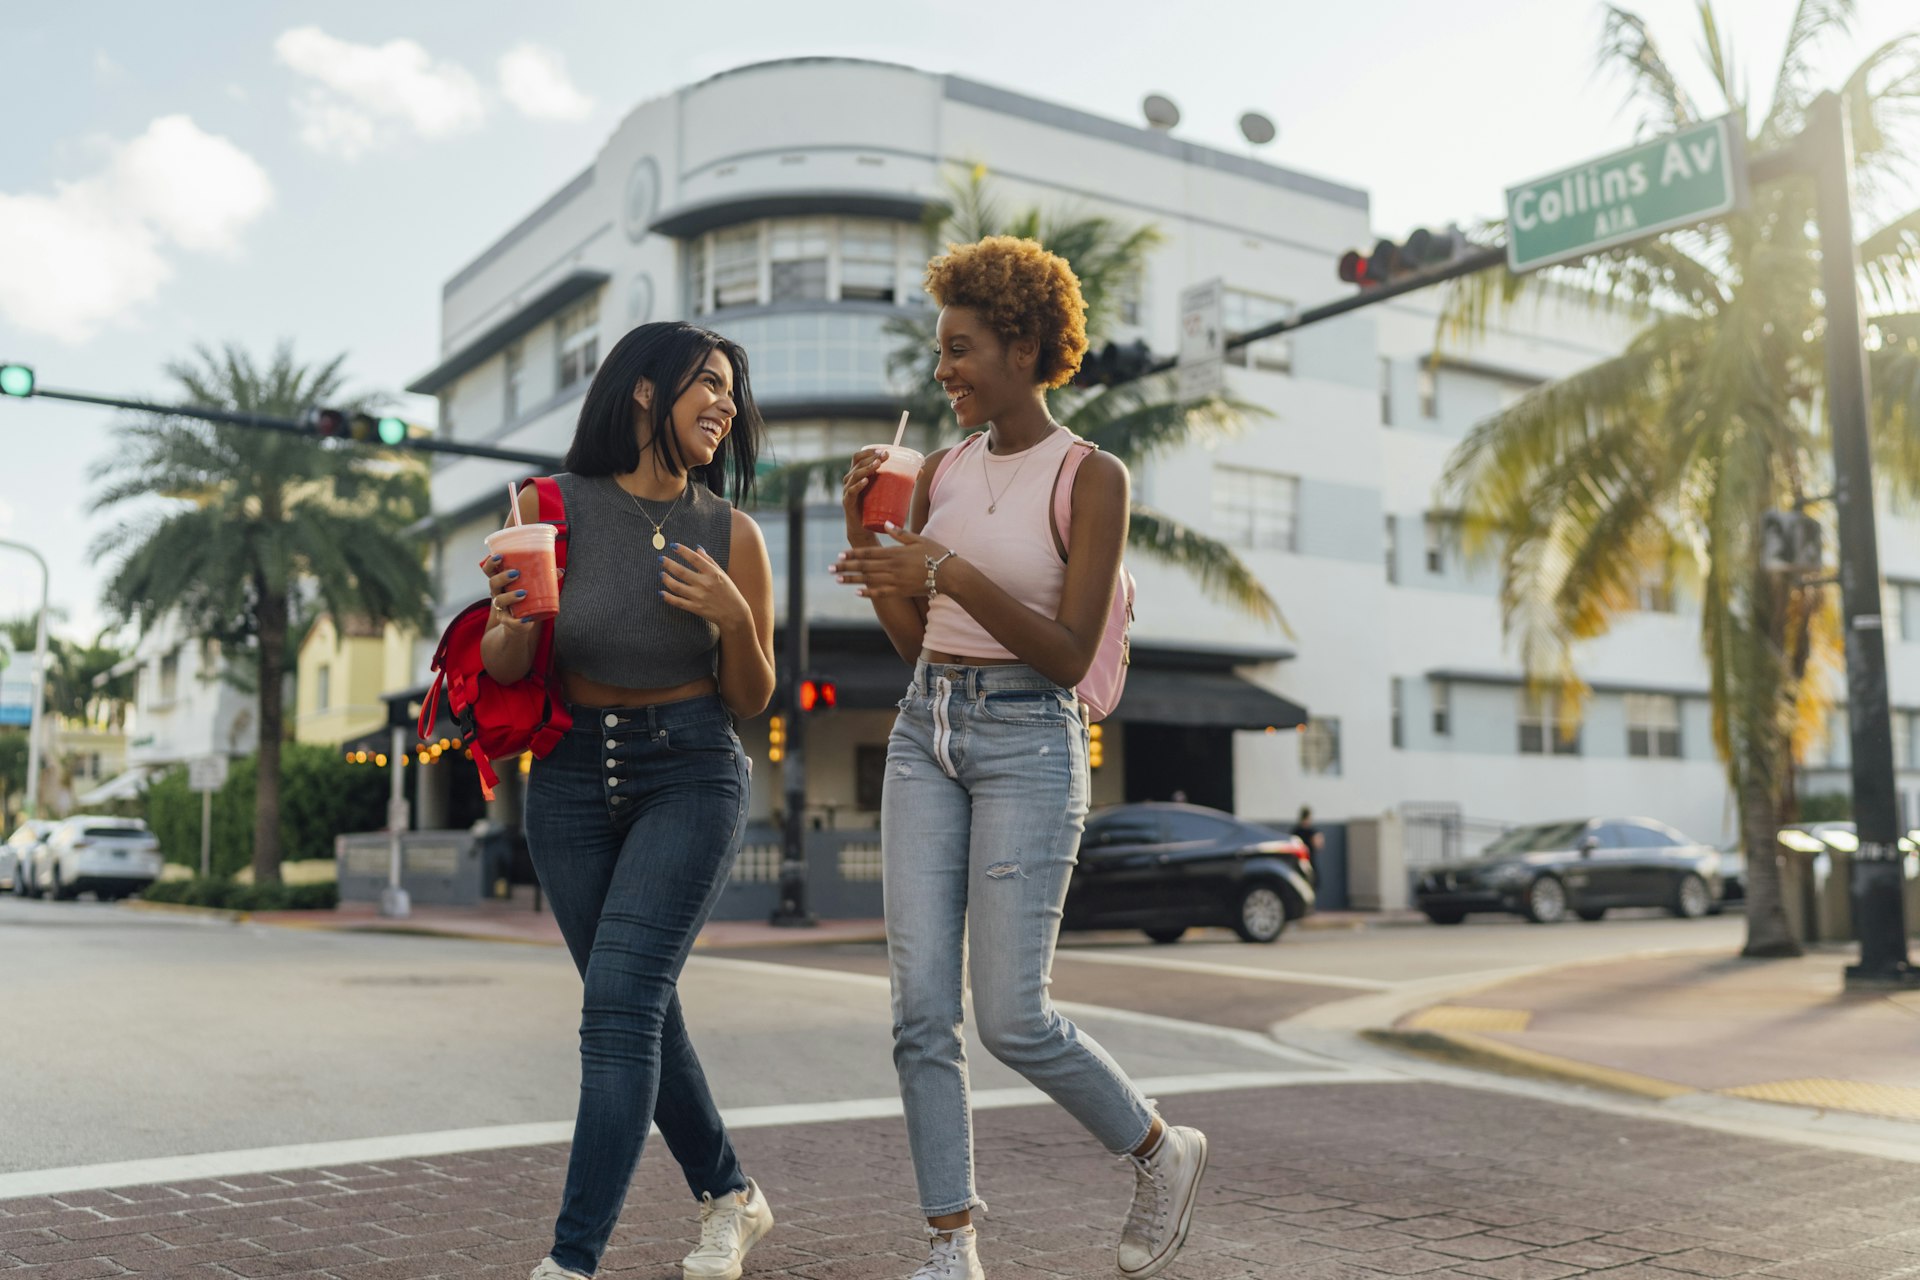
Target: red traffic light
[1388, 261]
[327, 423]
[818, 693]
[1353, 267]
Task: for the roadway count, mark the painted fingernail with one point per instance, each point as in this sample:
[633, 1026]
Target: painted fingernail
[512, 573]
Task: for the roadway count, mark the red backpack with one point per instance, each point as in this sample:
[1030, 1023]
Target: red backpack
[500, 721]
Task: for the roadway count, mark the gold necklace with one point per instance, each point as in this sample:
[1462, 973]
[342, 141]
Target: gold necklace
[659, 538]
[986, 477]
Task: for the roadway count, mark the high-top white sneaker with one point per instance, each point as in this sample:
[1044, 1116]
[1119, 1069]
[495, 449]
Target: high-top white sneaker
[551, 1270]
[729, 1227]
[1165, 1186]
[951, 1256]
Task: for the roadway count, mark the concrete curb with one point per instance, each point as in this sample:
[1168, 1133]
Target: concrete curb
[1478, 1052]
[184, 909]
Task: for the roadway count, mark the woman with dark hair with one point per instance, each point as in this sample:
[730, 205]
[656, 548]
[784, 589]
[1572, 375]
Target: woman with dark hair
[664, 637]
[1002, 612]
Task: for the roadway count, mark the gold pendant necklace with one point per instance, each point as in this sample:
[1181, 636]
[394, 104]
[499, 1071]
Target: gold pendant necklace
[993, 499]
[659, 538]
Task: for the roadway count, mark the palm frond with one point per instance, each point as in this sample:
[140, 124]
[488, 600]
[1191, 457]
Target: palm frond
[1717, 47]
[1813, 21]
[1137, 420]
[1627, 45]
[1220, 572]
[1883, 97]
[1890, 261]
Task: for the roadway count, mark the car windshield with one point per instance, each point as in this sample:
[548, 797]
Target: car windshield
[1540, 839]
[115, 833]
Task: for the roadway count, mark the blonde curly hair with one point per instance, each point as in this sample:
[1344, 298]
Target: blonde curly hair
[1021, 291]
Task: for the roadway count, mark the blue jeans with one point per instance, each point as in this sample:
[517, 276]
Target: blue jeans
[985, 798]
[634, 821]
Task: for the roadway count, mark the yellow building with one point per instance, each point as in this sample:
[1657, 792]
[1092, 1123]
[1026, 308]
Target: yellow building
[342, 672]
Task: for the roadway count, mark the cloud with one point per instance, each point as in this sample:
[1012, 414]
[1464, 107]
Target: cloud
[98, 247]
[534, 79]
[360, 95]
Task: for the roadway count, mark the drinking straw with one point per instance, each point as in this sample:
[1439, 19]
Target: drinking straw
[901, 434]
[513, 503]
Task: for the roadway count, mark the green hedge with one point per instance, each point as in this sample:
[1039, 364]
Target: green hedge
[321, 795]
[244, 897]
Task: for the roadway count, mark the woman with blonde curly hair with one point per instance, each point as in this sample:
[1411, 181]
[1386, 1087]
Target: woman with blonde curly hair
[986, 781]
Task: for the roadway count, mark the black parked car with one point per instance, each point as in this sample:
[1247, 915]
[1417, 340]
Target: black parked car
[1583, 867]
[1167, 868]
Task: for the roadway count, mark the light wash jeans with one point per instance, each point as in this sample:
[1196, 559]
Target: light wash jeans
[985, 798]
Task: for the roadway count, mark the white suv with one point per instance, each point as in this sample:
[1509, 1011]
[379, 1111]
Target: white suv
[114, 857]
[16, 855]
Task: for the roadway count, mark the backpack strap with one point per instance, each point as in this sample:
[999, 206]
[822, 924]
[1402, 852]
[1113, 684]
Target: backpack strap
[553, 510]
[1077, 452]
[946, 465]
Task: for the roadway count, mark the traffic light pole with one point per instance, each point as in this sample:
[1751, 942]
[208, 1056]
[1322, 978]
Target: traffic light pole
[792, 911]
[293, 426]
[1878, 866]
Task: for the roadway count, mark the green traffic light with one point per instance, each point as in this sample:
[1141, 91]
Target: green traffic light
[16, 380]
[393, 431]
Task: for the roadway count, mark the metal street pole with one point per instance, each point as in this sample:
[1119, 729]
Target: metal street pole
[206, 835]
[395, 903]
[39, 679]
[792, 911]
[1878, 866]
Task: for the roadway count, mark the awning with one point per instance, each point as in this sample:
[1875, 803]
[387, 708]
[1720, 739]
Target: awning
[1210, 699]
[732, 210]
[544, 306]
[124, 786]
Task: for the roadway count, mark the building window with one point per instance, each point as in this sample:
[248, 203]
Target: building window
[1905, 724]
[1386, 392]
[1429, 390]
[1242, 312]
[322, 687]
[444, 429]
[1255, 508]
[1320, 747]
[516, 379]
[1398, 733]
[869, 775]
[798, 252]
[579, 333]
[169, 680]
[1393, 549]
[1653, 726]
[806, 260]
[1439, 536]
[1442, 695]
[1656, 590]
[1541, 729]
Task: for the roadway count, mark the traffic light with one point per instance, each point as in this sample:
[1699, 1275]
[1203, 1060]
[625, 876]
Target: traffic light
[361, 428]
[1388, 261]
[1116, 362]
[1096, 753]
[776, 738]
[16, 380]
[815, 694]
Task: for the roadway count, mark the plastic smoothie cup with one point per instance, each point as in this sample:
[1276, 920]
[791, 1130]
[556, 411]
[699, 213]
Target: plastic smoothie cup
[529, 548]
[889, 497]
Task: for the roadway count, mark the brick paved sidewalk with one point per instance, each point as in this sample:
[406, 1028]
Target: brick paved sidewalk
[1334, 1182]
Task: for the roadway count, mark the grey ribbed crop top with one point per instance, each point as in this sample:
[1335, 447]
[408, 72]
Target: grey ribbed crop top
[613, 627]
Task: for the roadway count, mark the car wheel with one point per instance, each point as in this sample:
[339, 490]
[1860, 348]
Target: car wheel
[1546, 901]
[1592, 913]
[1164, 936]
[1440, 915]
[1691, 900]
[1261, 916]
[56, 890]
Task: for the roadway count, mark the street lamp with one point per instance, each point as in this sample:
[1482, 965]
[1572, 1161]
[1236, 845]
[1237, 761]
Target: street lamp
[39, 669]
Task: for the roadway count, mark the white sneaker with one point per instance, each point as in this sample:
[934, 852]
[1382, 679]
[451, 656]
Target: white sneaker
[551, 1270]
[728, 1228]
[1165, 1186]
[951, 1256]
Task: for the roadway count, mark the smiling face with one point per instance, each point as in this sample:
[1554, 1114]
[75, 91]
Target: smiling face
[703, 415]
[982, 376]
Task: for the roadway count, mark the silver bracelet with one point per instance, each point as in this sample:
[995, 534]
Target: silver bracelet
[933, 575]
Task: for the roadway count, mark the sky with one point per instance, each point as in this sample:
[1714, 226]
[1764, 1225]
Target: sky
[200, 173]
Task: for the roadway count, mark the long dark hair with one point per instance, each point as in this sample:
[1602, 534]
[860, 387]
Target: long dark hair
[669, 354]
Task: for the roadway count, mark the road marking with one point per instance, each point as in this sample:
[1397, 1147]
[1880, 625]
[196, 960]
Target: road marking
[1227, 970]
[1253, 1040]
[323, 1155]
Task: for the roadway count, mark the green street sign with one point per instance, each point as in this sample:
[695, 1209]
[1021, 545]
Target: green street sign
[1676, 181]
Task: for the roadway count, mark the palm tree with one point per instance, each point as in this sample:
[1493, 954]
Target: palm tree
[253, 527]
[1133, 421]
[1670, 453]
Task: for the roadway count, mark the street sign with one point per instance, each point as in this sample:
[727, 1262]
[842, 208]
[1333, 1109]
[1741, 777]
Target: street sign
[1676, 181]
[207, 773]
[1202, 363]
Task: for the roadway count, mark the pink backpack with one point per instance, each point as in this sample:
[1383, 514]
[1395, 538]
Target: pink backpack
[1106, 679]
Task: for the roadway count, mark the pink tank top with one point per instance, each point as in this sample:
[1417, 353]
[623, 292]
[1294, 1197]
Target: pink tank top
[996, 511]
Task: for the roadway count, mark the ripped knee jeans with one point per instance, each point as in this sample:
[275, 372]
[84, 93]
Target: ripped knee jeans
[985, 798]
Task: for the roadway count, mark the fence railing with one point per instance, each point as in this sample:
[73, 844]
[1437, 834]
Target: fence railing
[1439, 833]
